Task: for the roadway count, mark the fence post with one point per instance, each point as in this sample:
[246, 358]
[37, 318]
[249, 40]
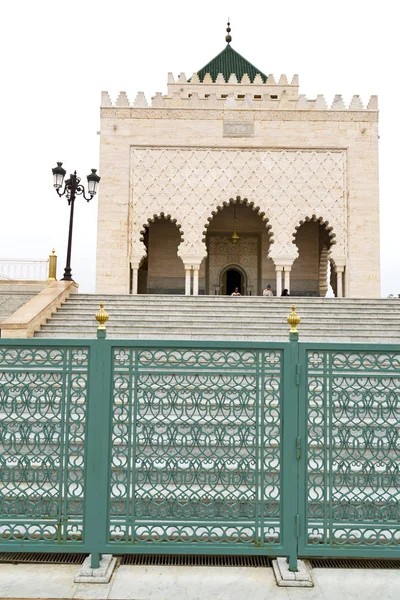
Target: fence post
[98, 442]
[290, 424]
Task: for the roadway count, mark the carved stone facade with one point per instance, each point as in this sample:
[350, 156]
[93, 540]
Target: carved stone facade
[210, 144]
[285, 186]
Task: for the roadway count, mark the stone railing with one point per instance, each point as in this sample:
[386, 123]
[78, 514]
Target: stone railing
[28, 270]
[29, 317]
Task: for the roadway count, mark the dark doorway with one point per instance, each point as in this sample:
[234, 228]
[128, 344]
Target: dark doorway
[233, 280]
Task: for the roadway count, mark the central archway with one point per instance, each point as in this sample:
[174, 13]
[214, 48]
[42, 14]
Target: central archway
[248, 254]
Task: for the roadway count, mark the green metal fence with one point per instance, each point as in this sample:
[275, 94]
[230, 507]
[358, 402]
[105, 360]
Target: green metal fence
[283, 449]
[43, 434]
[349, 424]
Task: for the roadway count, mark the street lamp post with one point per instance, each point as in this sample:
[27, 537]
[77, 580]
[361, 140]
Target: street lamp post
[73, 188]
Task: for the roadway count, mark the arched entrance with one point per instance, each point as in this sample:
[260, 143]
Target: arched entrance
[246, 255]
[231, 277]
[309, 274]
[161, 271]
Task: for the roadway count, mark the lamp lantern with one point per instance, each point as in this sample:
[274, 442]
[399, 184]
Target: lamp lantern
[58, 175]
[93, 181]
[235, 237]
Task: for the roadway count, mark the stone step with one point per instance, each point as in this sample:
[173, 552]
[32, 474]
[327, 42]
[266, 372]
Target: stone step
[265, 311]
[229, 308]
[234, 304]
[210, 298]
[238, 303]
[226, 318]
[129, 335]
[218, 308]
[77, 319]
[238, 323]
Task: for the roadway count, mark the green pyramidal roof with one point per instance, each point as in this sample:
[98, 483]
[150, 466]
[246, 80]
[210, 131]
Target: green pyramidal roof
[229, 61]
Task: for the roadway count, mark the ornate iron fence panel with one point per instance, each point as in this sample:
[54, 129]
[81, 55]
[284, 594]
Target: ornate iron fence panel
[43, 397]
[350, 469]
[157, 447]
[196, 459]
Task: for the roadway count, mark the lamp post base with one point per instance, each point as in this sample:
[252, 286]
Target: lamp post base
[67, 274]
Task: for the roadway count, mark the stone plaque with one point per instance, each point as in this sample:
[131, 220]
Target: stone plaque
[238, 128]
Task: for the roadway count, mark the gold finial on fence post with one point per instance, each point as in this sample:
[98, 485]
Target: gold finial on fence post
[52, 266]
[293, 320]
[101, 318]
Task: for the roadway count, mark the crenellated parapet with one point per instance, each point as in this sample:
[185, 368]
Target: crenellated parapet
[231, 96]
[232, 85]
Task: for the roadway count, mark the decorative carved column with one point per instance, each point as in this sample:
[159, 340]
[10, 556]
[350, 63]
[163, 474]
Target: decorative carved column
[279, 270]
[287, 278]
[188, 269]
[196, 280]
[283, 266]
[135, 262]
[136, 258]
[339, 263]
[339, 275]
[135, 280]
[192, 260]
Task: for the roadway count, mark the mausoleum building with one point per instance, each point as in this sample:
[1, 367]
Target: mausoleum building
[235, 179]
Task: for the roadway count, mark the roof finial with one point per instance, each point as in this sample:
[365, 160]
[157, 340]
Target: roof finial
[228, 38]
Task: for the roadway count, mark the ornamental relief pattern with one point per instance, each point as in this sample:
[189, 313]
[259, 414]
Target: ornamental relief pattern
[284, 186]
[239, 115]
[224, 253]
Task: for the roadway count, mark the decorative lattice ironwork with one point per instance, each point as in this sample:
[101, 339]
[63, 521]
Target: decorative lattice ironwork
[43, 394]
[196, 445]
[353, 457]
[199, 448]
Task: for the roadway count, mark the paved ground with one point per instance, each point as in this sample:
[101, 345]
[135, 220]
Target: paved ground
[195, 583]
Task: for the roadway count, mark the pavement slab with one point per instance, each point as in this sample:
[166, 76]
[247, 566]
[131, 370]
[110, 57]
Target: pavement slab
[51, 582]
[196, 583]
[37, 581]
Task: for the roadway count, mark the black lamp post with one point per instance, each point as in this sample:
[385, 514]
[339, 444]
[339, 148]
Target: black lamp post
[73, 188]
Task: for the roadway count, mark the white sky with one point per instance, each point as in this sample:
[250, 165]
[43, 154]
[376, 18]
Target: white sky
[58, 56]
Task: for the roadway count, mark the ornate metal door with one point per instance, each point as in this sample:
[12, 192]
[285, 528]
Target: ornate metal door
[198, 457]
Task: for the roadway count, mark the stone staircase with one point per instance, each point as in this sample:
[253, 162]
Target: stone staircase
[226, 318]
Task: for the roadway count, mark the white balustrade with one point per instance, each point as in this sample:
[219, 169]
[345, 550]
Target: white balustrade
[25, 270]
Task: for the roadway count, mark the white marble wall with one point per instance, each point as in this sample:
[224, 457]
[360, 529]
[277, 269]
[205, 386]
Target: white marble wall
[289, 163]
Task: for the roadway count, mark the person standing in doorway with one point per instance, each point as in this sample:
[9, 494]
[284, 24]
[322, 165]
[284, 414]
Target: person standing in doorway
[236, 292]
[268, 291]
